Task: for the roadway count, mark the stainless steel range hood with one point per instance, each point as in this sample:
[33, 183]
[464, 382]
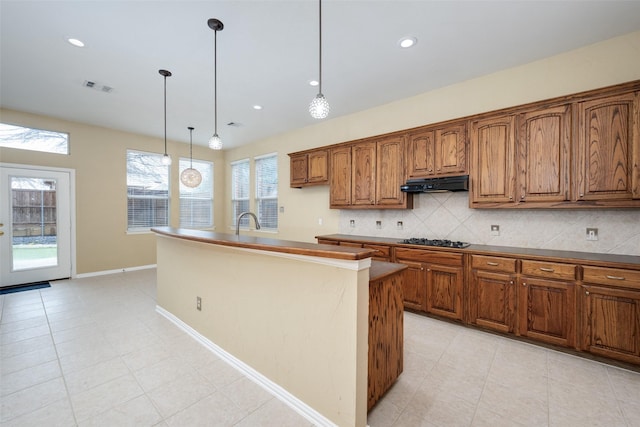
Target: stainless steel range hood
[434, 185]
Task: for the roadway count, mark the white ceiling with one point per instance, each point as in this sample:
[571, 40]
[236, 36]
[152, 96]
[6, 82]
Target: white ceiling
[267, 53]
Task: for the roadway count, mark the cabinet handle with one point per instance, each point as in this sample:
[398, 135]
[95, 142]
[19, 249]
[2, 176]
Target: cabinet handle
[548, 270]
[495, 264]
[615, 277]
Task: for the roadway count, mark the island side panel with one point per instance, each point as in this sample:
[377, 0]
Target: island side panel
[302, 324]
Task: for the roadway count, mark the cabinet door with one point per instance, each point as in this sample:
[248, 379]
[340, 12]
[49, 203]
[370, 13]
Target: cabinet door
[413, 285]
[611, 322]
[444, 290]
[318, 167]
[544, 151]
[421, 154]
[608, 148]
[340, 177]
[390, 173]
[363, 173]
[493, 160]
[492, 300]
[451, 150]
[547, 310]
[298, 165]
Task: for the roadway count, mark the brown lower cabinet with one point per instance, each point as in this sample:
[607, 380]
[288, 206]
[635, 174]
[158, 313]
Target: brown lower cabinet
[610, 300]
[433, 281]
[492, 293]
[589, 306]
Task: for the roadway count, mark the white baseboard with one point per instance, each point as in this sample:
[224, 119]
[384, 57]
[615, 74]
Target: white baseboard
[121, 270]
[280, 393]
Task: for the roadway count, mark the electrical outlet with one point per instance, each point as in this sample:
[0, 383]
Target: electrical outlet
[319, 221]
[378, 225]
[495, 230]
[198, 303]
[592, 234]
[352, 223]
[399, 225]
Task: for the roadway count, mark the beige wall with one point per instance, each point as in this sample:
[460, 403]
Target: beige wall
[98, 154]
[300, 321]
[603, 64]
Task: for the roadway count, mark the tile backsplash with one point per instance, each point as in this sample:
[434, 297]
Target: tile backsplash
[448, 216]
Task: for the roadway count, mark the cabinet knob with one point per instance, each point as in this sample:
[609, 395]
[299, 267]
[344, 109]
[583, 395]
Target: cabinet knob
[522, 197]
[511, 282]
[510, 197]
[581, 195]
[524, 284]
[421, 268]
[586, 292]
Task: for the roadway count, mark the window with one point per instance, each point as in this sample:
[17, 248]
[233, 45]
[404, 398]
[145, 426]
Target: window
[267, 190]
[147, 191]
[196, 204]
[240, 190]
[33, 139]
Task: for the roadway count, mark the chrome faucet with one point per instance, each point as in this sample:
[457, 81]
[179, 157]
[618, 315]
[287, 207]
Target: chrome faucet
[255, 218]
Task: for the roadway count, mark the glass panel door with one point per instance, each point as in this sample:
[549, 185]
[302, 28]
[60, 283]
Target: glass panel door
[36, 226]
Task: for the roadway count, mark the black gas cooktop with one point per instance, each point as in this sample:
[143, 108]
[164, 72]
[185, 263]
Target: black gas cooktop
[435, 242]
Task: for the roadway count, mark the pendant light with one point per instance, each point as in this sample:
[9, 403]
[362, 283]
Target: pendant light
[166, 159]
[216, 25]
[190, 176]
[319, 107]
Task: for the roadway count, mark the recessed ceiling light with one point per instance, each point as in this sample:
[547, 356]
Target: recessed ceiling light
[313, 83]
[75, 42]
[257, 107]
[406, 42]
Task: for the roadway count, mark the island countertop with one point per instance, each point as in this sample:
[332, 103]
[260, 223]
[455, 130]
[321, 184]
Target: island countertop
[265, 244]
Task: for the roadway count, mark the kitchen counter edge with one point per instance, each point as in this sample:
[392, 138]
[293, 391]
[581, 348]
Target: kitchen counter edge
[265, 244]
[593, 258]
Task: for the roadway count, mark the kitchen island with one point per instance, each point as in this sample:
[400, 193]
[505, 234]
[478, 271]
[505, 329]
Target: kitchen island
[292, 316]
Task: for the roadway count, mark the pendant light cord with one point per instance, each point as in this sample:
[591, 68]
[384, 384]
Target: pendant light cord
[215, 81]
[190, 148]
[320, 46]
[165, 115]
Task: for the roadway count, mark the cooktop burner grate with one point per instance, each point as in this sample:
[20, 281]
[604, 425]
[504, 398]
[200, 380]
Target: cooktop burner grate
[435, 242]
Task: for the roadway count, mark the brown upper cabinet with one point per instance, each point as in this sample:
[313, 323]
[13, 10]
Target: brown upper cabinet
[309, 168]
[544, 144]
[493, 160]
[437, 151]
[368, 175]
[608, 152]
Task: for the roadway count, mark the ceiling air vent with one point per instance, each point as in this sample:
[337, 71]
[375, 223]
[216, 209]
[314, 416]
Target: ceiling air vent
[97, 86]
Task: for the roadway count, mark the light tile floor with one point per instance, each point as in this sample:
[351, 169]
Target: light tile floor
[93, 352]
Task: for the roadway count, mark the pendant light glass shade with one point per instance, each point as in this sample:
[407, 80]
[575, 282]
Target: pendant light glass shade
[166, 159]
[190, 176]
[215, 143]
[319, 107]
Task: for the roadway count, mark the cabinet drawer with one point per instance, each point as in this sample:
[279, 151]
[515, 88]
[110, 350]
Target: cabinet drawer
[551, 270]
[420, 255]
[493, 263]
[612, 276]
[381, 251]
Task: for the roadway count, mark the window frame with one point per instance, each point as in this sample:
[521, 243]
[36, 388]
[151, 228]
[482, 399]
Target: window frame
[184, 195]
[147, 229]
[244, 223]
[27, 129]
[258, 198]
